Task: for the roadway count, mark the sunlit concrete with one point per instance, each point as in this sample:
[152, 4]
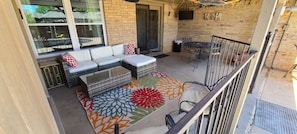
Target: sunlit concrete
[273, 87]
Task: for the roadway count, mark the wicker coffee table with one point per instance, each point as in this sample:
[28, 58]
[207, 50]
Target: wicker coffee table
[105, 80]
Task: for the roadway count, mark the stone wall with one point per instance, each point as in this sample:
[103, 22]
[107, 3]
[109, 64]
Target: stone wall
[286, 54]
[236, 21]
[170, 27]
[120, 20]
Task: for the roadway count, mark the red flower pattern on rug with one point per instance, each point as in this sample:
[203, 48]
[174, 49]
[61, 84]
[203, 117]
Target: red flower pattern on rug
[147, 98]
[147, 94]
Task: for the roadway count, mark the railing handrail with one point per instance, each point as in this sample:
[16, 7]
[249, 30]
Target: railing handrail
[232, 40]
[184, 123]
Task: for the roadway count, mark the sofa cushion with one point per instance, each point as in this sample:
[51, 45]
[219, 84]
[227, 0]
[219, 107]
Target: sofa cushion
[82, 66]
[106, 60]
[70, 60]
[118, 49]
[129, 49]
[139, 60]
[123, 56]
[101, 52]
[81, 55]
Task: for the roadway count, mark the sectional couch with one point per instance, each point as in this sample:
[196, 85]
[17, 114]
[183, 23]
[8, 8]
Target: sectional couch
[93, 60]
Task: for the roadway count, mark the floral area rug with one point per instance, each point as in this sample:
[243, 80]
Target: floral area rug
[128, 104]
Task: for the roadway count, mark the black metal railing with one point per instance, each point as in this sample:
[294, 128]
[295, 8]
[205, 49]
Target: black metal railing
[214, 113]
[222, 101]
[225, 54]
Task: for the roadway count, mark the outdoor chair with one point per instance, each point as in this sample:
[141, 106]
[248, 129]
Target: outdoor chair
[190, 52]
[172, 118]
[193, 50]
[190, 97]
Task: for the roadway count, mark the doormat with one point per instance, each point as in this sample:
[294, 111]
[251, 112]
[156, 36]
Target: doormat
[161, 56]
[128, 104]
[275, 118]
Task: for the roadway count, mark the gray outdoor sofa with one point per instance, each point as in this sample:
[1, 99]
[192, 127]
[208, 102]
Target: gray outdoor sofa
[93, 60]
[106, 57]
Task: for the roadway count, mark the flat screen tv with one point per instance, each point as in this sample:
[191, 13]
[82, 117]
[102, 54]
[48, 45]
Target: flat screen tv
[185, 15]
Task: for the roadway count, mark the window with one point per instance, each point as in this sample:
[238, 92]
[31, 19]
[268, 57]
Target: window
[61, 25]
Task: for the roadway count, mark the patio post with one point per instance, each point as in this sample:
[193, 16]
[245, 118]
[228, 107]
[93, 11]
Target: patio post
[261, 30]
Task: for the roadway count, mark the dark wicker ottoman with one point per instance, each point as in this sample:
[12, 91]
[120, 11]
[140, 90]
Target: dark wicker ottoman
[140, 65]
[105, 80]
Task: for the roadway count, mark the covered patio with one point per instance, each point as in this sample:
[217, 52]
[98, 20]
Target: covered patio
[57, 109]
[74, 118]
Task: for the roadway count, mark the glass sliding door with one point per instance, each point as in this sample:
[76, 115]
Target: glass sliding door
[142, 17]
[153, 30]
[149, 33]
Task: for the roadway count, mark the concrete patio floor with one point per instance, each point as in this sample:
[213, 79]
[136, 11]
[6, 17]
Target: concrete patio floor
[74, 117]
[270, 87]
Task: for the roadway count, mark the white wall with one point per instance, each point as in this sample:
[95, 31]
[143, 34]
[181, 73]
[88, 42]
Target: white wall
[23, 102]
